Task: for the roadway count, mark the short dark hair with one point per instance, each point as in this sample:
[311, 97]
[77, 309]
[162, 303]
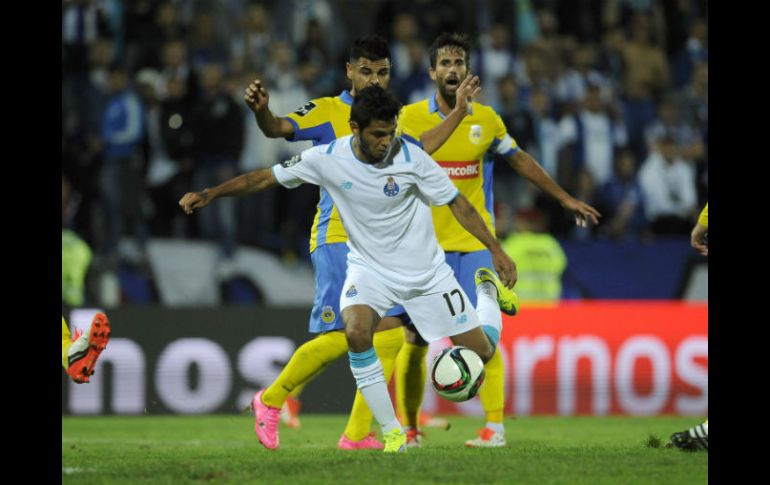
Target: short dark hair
[373, 103]
[372, 47]
[460, 41]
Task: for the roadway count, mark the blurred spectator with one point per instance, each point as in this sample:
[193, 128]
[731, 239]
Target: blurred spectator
[694, 52]
[417, 84]
[165, 26]
[249, 47]
[589, 139]
[668, 185]
[620, 200]
[644, 81]
[169, 140]
[403, 32]
[573, 83]
[670, 123]
[206, 44]
[315, 51]
[75, 254]
[175, 65]
[122, 175]
[218, 135]
[82, 23]
[540, 260]
[494, 59]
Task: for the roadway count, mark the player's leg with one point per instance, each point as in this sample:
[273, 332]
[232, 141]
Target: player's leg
[84, 351]
[291, 407]
[329, 262]
[363, 300]
[410, 383]
[492, 392]
[388, 339]
[693, 439]
[66, 341]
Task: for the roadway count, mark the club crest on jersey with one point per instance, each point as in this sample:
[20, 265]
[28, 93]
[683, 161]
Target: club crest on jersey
[292, 161]
[352, 291]
[391, 188]
[327, 314]
[305, 109]
[475, 134]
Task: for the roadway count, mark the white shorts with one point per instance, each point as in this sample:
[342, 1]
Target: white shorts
[439, 309]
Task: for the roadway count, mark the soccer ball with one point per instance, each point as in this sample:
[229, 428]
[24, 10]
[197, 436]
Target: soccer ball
[457, 373]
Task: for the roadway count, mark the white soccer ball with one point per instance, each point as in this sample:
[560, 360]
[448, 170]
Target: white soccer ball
[457, 373]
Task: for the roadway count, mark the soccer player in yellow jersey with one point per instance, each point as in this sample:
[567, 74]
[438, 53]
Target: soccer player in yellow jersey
[697, 437]
[78, 356]
[467, 156]
[322, 120]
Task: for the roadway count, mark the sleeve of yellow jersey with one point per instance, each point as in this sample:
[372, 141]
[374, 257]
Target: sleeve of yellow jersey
[310, 120]
[407, 128]
[503, 144]
[703, 220]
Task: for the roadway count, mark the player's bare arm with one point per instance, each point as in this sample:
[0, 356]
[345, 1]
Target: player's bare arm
[245, 184]
[698, 239]
[435, 137]
[528, 168]
[471, 220]
[257, 99]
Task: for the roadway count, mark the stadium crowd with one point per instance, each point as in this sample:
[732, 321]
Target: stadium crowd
[610, 96]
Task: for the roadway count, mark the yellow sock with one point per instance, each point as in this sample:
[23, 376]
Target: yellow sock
[410, 382]
[66, 341]
[308, 360]
[298, 390]
[386, 344]
[492, 392]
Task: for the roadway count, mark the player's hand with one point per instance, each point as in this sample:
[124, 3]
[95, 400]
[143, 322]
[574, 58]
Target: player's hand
[505, 267]
[256, 96]
[697, 239]
[194, 200]
[466, 91]
[583, 212]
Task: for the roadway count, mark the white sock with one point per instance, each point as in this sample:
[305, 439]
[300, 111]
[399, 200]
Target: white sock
[370, 380]
[487, 307]
[496, 427]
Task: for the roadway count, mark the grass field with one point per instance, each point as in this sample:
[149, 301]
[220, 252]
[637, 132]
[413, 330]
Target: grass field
[224, 449]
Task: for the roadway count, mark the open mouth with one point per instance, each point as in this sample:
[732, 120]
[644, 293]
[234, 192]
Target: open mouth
[452, 82]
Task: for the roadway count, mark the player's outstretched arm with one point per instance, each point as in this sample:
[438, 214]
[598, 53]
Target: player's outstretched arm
[528, 168]
[435, 137]
[257, 98]
[471, 220]
[247, 183]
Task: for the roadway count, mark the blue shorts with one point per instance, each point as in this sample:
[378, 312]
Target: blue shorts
[330, 262]
[464, 266]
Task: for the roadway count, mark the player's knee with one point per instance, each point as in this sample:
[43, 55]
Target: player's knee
[486, 352]
[359, 337]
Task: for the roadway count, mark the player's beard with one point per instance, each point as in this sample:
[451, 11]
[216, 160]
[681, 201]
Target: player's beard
[449, 97]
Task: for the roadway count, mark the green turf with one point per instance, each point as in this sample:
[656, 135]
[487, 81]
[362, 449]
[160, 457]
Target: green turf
[224, 449]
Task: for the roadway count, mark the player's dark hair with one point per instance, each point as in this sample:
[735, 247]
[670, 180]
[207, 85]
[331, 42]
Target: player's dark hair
[457, 41]
[373, 103]
[372, 47]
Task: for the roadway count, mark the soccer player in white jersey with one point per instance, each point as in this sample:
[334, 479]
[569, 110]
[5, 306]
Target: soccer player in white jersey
[382, 187]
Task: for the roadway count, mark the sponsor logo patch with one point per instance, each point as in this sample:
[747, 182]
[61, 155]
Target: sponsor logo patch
[352, 291]
[305, 109]
[346, 185]
[292, 161]
[461, 170]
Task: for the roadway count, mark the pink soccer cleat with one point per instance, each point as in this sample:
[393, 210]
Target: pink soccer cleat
[368, 443]
[265, 421]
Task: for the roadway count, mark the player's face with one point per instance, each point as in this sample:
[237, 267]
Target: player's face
[376, 140]
[451, 69]
[365, 72]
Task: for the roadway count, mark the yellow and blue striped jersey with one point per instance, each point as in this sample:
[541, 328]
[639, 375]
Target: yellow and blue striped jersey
[467, 157]
[323, 120]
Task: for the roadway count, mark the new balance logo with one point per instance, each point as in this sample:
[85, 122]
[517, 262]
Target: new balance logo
[461, 170]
